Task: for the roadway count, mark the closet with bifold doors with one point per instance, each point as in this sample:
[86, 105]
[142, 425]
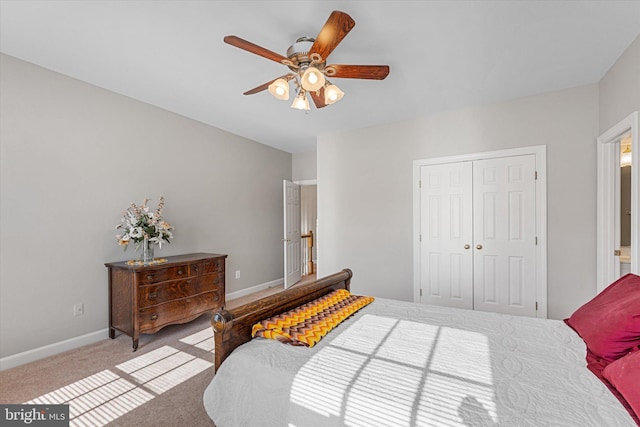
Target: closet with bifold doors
[477, 234]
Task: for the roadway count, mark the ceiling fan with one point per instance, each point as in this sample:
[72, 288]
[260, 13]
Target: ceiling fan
[307, 60]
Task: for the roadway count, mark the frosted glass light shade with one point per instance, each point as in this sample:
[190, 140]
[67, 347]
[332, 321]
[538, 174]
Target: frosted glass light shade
[312, 79]
[280, 89]
[300, 102]
[332, 93]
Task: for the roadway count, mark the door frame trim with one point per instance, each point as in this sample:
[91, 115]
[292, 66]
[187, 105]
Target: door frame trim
[608, 199]
[540, 153]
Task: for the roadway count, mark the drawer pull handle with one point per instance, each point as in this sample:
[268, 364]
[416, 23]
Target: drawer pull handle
[154, 317]
[153, 295]
[196, 269]
[150, 277]
[180, 272]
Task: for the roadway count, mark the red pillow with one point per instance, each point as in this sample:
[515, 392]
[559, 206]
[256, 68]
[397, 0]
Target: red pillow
[624, 375]
[610, 323]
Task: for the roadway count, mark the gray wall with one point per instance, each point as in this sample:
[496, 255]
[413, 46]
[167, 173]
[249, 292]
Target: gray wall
[365, 215]
[304, 166]
[74, 156]
[620, 88]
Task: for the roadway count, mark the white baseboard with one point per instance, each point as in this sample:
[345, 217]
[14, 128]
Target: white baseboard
[52, 349]
[14, 360]
[256, 288]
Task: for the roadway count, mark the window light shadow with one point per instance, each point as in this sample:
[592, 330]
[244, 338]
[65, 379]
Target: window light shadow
[202, 340]
[367, 376]
[104, 397]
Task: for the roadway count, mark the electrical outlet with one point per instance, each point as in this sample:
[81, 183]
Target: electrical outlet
[237, 274]
[78, 309]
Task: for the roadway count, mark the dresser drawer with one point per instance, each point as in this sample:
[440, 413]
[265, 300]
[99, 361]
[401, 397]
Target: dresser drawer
[150, 295]
[164, 274]
[212, 265]
[155, 317]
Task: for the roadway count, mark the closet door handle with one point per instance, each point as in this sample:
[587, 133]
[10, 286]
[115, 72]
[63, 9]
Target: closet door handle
[467, 246]
[478, 246]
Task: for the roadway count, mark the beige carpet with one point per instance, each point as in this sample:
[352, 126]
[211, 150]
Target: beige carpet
[106, 383]
[161, 384]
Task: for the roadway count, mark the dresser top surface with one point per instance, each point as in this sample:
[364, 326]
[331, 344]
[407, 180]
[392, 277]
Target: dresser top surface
[171, 260]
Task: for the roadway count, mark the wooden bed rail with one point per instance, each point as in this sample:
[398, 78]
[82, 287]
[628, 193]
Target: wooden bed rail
[233, 327]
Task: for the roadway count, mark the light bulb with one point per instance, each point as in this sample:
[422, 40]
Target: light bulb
[626, 157]
[332, 94]
[279, 89]
[312, 79]
[301, 102]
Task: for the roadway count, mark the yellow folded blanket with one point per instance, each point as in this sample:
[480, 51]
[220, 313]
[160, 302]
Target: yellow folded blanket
[307, 324]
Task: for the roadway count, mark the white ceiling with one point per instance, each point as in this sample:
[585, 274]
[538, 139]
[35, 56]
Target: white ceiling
[442, 54]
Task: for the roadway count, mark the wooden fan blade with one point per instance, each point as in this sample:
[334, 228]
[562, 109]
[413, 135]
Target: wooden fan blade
[318, 97]
[335, 29]
[259, 88]
[262, 87]
[254, 48]
[371, 72]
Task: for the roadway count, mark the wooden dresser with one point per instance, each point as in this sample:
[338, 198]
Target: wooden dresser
[145, 299]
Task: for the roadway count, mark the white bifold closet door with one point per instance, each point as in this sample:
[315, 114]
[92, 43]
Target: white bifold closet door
[478, 235]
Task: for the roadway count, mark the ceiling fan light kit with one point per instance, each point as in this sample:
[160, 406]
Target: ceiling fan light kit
[332, 94]
[312, 79]
[279, 89]
[306, 58]
[301, 102]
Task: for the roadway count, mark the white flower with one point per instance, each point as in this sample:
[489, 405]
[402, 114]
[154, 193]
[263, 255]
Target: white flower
[139, 223]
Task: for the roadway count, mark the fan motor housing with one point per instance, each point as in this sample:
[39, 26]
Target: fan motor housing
[299, 54]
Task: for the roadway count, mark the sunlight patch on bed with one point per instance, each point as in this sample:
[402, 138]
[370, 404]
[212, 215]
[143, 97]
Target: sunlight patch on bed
[202, 340]
[366, 334]
[382, 395]
[452, 401]
[321, 384]
[463, 354]
[420, 337]
[368, 376]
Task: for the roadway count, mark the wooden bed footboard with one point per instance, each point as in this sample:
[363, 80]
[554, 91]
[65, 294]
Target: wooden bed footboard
[233, 327]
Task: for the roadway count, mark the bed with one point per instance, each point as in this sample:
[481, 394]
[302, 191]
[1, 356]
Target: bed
[396, 364]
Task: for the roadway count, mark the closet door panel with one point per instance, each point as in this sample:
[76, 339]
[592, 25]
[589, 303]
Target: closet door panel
[445, 228]
[504, 235]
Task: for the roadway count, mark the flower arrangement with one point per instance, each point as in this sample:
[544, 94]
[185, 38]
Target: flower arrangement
[139, 224]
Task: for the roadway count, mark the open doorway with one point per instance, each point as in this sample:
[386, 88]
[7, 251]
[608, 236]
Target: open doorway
[618, 216]
[300, 231]
[308, 227]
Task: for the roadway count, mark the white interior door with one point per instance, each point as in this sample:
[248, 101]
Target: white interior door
[291, 239]
[446, 235]
[504, 226]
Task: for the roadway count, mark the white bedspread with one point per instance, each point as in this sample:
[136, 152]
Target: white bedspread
[401, 364]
